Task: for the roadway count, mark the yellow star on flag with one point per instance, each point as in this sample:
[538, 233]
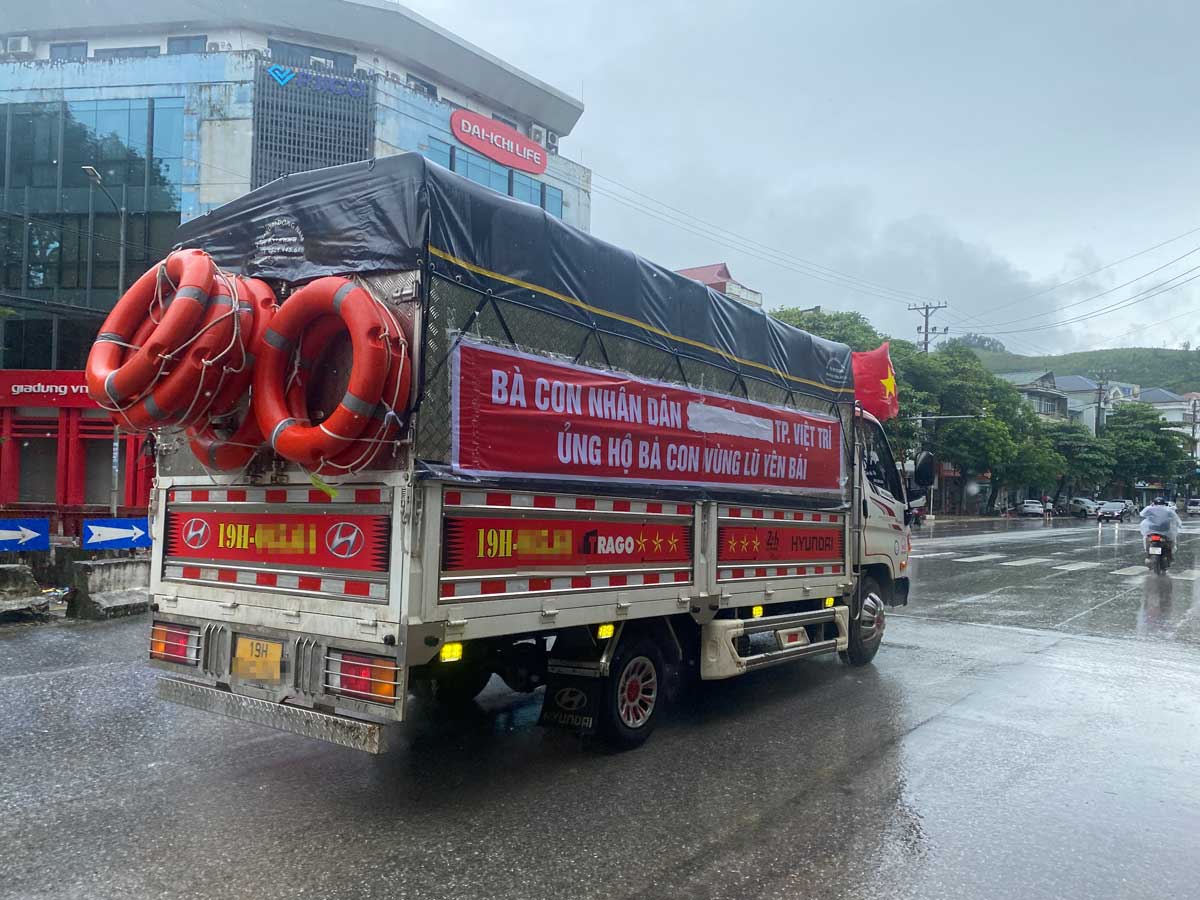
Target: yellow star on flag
[889, 383]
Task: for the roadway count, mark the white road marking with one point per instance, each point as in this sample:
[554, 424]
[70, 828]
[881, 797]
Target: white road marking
[930, 555]
[985, 556]
[1076, 567]
[1033, 560]
[1187, 575]
[1130, 570]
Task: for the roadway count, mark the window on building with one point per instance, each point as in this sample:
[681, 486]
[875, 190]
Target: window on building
[307, 57]
[526, 189]
[481, 170]
[187, 43]
[125, 52]
[509, 122]
[34, 149]
[439, 152]
[69, 50]
[553, 202]
[28, 340]
[421, 86]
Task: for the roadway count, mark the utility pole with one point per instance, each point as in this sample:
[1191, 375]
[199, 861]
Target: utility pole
[926, 310]
[1101, 376]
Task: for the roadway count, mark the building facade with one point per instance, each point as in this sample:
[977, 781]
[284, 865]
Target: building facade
[180, 107]
[1039, 391]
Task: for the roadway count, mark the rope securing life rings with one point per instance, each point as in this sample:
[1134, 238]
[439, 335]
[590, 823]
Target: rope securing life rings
[115, 379]
[193, 347]
[365, 418]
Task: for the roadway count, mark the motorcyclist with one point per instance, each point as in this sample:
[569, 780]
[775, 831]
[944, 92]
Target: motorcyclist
[1160, 518]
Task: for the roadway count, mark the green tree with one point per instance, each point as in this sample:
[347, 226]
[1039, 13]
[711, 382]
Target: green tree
[845, 327]
[977, 342]
[1143, 448]
[1088, 460]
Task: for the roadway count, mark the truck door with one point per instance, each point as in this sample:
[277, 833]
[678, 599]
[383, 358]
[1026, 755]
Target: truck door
[885, 539]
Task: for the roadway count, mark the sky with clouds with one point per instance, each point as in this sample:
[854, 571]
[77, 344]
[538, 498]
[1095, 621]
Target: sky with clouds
[976, 153]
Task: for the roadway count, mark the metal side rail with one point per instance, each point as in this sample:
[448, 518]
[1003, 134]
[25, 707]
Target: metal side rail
[720, 655]
[353, 733]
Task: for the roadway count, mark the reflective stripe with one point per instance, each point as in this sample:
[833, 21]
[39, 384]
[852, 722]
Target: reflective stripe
[108, 337]
[277, 340]
[155, 411]
[108, 388]
[223, 300]
[341, 295]
[193, 293]
[357, 405]
[281, 426]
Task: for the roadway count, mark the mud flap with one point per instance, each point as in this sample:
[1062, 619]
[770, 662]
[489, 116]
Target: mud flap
[572, 702]
[899, 595]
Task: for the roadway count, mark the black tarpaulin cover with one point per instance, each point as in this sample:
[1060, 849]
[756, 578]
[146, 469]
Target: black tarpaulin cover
[401, 212]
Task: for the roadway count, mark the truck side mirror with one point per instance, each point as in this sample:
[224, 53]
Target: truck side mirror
[923, 472]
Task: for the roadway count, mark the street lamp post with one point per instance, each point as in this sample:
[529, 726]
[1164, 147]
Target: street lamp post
[95, 181]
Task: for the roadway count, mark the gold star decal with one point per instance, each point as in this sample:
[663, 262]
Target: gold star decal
[745, 542]
[641, 543]
[756, 544]
[889, 383]
[732, 542]
[673, 543]
[657, 542]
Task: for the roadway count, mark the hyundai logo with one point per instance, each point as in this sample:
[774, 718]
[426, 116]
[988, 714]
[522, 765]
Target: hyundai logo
[282, 74]
[570, 699]
[196, 533]
[344, 540]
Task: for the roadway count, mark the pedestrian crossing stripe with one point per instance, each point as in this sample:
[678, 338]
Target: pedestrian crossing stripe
[1077, 566]
[1130, 570]
[985, 556]
[1031, 561]
[930, 555]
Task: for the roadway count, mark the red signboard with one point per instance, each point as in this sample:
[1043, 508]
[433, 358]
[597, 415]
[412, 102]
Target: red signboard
[335, 541]
[498, 141]
[473, 543]
[44, 387]
[521, 415]
[774, 543]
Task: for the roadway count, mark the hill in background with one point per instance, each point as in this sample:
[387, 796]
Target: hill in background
[1175, 370]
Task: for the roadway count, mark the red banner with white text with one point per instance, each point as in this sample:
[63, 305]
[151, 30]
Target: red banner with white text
[516, 414]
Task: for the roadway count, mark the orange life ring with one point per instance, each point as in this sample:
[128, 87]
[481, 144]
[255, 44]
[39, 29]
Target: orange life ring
[184, 395]
[295, 437]
[182, 282]
[227, 453]
[383, 428]
[263, 303]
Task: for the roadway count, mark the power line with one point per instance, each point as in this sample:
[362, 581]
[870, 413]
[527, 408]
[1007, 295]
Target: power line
[926, 310]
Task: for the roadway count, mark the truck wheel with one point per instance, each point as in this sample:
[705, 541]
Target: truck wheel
[866, 625]
[458, 685]
[633, 694]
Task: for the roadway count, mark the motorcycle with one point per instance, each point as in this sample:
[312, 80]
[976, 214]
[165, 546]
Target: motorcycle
[1158, 549]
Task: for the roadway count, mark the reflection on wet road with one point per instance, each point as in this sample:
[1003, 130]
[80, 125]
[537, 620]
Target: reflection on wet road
[1029, 730]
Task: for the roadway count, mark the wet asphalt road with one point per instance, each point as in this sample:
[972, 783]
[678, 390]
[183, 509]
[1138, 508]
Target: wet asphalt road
[1031, 729]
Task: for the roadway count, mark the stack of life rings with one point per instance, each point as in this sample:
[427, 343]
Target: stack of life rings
[191, 347]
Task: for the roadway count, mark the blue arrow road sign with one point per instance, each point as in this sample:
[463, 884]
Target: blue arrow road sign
[24, 534]
[115, 534]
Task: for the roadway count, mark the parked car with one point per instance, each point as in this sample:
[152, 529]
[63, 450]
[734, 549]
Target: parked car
[1031, 508]
[1193, 506]
[1129, 505]
[1082, 507]
[1113, 511]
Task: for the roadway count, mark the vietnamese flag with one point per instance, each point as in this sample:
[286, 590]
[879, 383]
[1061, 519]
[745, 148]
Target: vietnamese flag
[875, 382]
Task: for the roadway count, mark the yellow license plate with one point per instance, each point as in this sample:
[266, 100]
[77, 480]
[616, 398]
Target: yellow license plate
[257, 660]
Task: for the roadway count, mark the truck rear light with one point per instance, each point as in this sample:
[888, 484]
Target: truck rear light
[175, 643]
[362, 677]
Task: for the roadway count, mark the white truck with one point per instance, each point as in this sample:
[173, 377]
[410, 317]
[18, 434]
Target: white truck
[607, 480]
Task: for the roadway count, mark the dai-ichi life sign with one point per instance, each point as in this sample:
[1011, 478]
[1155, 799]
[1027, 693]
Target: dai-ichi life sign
[527, 416]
